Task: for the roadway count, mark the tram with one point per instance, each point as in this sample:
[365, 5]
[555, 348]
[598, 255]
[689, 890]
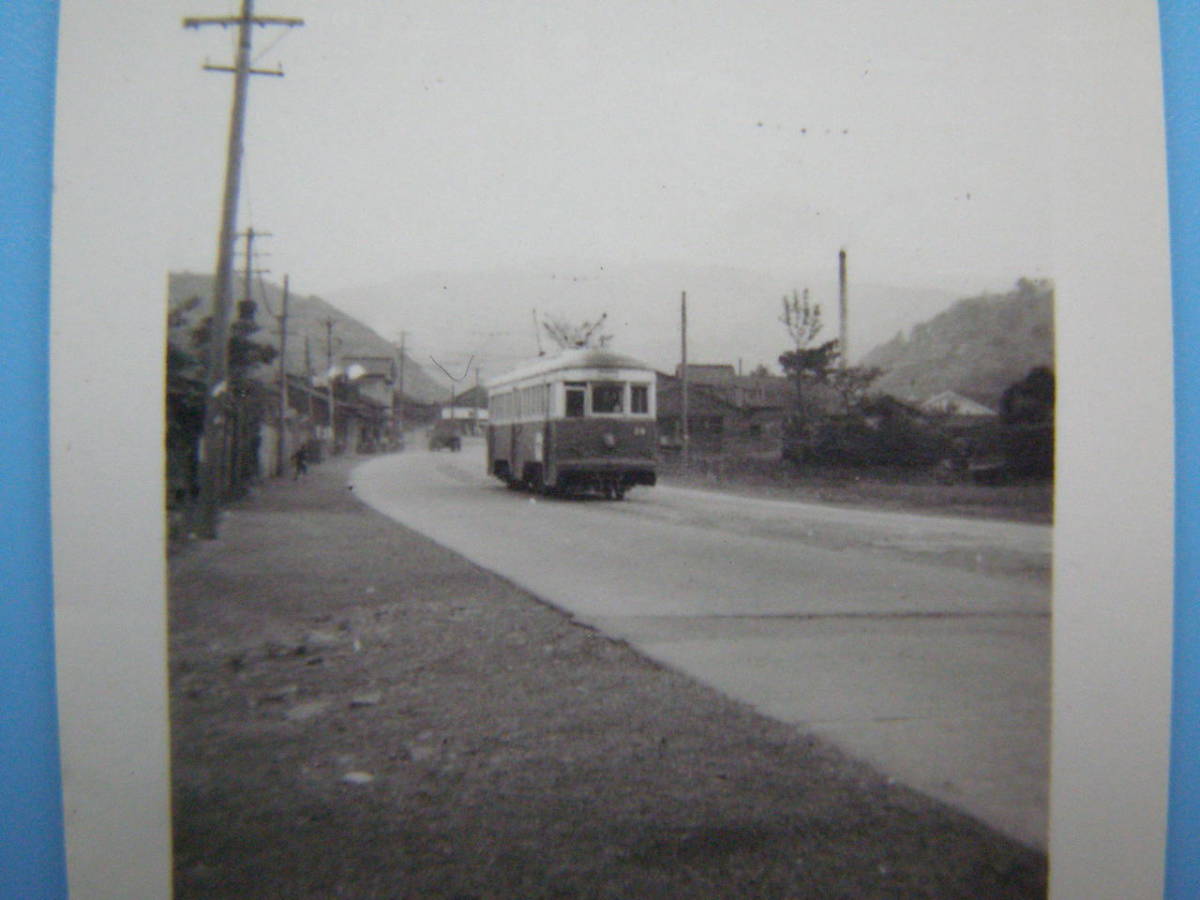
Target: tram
[577, 422]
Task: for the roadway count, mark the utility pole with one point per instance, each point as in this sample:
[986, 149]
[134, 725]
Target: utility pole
[281, 467]
[400, 389]
[453, 380]
[308, 385]
[329, 381]
[250, 234]
[843, 312]
[475, 404]
[685, 433]
[212, 444]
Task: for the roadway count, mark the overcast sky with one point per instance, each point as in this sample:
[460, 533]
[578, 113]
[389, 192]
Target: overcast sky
[453, 135]
[450, 134]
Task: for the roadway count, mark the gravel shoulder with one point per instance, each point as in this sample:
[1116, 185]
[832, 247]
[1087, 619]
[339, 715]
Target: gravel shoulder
[357, 712]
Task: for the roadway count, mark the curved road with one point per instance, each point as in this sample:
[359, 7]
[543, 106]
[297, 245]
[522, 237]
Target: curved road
[920, 644]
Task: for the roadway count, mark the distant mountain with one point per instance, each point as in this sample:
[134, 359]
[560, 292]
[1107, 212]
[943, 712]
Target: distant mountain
[977, 347]
[733, 314]
[308, 346]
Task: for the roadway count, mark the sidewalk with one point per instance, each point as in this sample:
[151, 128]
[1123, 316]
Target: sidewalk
[359, 713]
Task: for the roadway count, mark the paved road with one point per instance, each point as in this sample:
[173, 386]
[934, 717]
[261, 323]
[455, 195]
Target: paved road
[920, 644]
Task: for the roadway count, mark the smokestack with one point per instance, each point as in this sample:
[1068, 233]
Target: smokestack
[843, 311]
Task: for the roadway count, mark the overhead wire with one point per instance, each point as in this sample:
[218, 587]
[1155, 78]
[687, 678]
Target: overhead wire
[283, 33]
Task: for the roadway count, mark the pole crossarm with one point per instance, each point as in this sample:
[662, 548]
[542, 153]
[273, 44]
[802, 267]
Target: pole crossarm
[208, 67]
[227, 21]
[212, 457]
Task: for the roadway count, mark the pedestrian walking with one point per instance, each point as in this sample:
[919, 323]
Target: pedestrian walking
[300, 462]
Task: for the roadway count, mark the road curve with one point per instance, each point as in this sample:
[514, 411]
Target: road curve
[918, 643]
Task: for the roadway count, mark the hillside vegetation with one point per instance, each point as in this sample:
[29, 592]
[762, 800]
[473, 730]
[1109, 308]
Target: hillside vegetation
[978, 347]
[307, 316]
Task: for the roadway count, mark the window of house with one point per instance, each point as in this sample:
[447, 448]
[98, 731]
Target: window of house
[639, 398]
[576, 394]
[607, 397]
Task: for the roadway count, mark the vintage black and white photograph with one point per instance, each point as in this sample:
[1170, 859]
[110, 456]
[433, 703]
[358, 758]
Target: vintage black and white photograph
[605, 449]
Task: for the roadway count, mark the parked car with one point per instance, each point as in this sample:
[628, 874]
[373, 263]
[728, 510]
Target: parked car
[445, 435]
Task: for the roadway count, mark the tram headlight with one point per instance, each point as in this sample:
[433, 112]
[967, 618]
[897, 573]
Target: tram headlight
[609, 440]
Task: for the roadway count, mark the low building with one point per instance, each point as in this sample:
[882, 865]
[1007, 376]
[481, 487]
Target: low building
[728, 413]
[951, 403]
[373, 376]
[470, 408]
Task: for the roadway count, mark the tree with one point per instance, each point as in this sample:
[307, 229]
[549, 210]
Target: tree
[808, 363]
[851, 384]
[1027, 430]
[245, 353]
[184, 410]
[1030, 400]
[833, 419]
[244, 400]
[802, 318]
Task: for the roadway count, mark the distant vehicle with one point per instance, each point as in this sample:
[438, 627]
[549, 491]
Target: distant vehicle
[580, 421]
[445, 435]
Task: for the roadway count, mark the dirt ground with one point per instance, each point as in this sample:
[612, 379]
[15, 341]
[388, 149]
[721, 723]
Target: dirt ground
[359, 713]
[896, 490]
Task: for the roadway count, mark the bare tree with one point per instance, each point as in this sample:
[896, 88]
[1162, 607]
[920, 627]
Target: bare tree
[802, 318]
[808, 364]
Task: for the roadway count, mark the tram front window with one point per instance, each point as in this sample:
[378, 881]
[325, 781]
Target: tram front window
[575, 398]
[639, 399]
[606, 398]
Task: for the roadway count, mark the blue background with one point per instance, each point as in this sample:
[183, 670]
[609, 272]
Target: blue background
[1181, 74]
[32, 860]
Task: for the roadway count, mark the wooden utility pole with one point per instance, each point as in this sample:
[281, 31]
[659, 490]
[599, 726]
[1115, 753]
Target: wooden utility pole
[843, 312]
[400, 388]
[308, 385]
[475, 404]
[281, 466]
[218, 355]
[685, 432]
[329, 381]
[250, 234]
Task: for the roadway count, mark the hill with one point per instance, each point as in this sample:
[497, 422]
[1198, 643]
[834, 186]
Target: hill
[977, 347]
[733, 314]
[308, 338]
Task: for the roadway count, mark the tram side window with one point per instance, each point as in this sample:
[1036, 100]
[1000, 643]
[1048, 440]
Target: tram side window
[606, 397]
[575, 400]
[639, 398]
